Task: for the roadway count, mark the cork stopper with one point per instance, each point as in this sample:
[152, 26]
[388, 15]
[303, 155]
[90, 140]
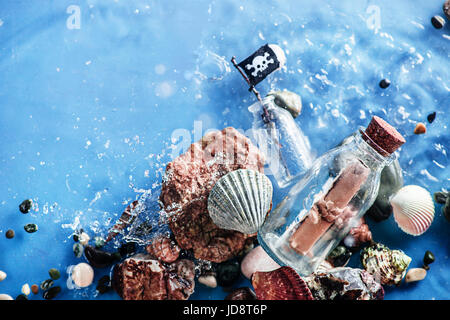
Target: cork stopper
[382, 136]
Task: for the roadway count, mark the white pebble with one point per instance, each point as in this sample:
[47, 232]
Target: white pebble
[84, 238]
[415, 274]
[257, 260]
[4, 296]
[26, 289]
[83, 275]
[2, 275]
[208, 280]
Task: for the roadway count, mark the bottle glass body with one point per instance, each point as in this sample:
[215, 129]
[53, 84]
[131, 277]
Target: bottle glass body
[323, 205]
[286, 148]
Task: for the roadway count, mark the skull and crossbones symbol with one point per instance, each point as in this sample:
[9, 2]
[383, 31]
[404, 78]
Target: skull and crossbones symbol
[259, 63]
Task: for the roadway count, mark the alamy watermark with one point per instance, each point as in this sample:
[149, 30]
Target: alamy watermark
[74, 20]
[373, 22]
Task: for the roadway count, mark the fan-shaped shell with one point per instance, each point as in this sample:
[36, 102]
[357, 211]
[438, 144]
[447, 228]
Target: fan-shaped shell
[240, 201]
[280, 284]
[413, 209]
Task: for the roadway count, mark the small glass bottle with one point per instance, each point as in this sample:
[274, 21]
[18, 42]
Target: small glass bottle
[329, 199]
[286, 148]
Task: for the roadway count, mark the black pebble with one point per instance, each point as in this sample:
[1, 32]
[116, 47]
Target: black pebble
[431, 117]
[340, 256]
[127, 249]
[438, 22]
[25, 206]
[51, 293]
[428, 258]
[104, 284]
[98, 258]
[384, 83]
[446, 209]
[21, 297]
[227, 273]
[440, 197]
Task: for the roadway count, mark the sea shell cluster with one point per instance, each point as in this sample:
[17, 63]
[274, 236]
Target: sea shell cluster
[389, 266]
[240, 201]
[344, 284]
[413, 209]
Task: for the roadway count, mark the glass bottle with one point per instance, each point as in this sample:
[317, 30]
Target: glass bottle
[286, 148]
[329, 199]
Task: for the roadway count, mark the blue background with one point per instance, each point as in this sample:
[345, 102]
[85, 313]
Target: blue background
[87, 115]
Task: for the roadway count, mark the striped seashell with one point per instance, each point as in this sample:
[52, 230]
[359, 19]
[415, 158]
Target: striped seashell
[240, 201]
[387, 266]
[283, 283]
[413, 209]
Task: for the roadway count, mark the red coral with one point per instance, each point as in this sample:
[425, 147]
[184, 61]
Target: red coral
[361, 233]
[186, 186]
[143, 278]
[164, 249]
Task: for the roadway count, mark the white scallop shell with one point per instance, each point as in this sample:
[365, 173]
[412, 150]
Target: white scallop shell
[240, 201]
[413, 209]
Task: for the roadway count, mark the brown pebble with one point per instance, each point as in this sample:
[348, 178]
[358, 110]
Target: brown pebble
[420, 128]
[446, 9]
[35, 288]
[10, 234]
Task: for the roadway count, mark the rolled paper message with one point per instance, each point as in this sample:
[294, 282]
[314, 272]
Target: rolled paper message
[344, 188]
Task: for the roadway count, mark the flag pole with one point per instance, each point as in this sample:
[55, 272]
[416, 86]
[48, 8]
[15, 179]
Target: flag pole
[265, 116]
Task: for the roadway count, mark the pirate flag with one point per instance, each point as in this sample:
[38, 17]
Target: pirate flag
[263, 62]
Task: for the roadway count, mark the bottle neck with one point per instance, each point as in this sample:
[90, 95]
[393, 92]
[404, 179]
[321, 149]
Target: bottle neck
[367, 151]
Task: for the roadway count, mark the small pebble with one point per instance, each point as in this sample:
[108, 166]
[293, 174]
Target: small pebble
[4, 296]
[99, 242]
[431, 117]
[21, 297]
[31, 227]
[227, 273]
[244, 293]
[104, 284]
[208, 280]
[82, 275]
[78, 249]
[384, 83]
[415, 274]
[51, 293]
[10, 234]
[340, 256]
[46, 284]
[98, 258]
[438, 22]
[2, 275]
[84, 238]
[446, 9]
[420, 128]
[54, 274]
[26, 289]
[35, 288]
[428, 258]
[440, 197]
[127, 248]
[446, 209]
[25, 206]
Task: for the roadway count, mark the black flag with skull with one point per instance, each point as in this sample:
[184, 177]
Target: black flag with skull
[263, 62]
